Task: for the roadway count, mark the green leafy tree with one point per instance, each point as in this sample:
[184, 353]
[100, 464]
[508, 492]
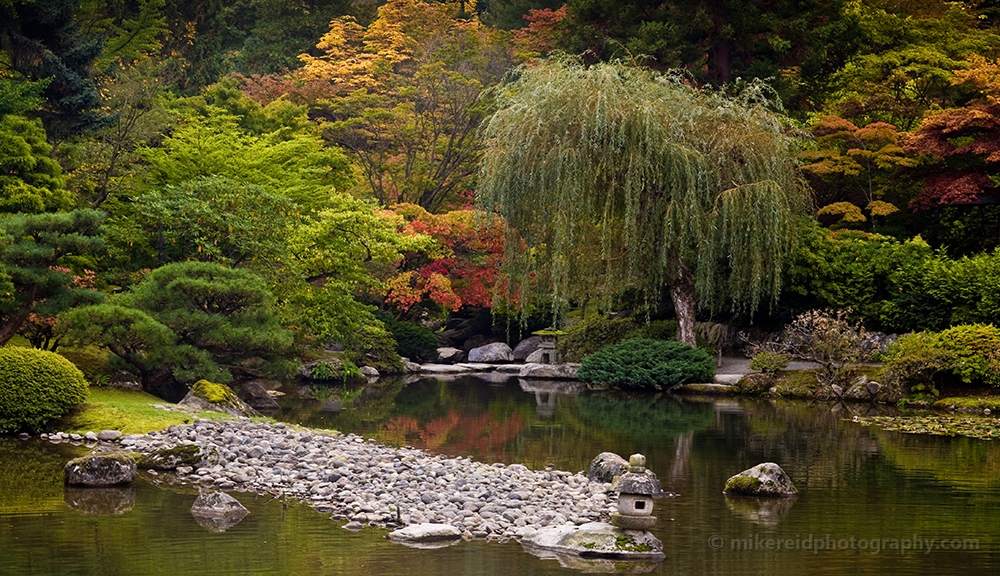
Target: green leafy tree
[852, 169]
[132, 30]
[211, 219]
[234, 137]
[106, 162]
[33, 251]
[637, 180]
[138, 343]
[907, 64]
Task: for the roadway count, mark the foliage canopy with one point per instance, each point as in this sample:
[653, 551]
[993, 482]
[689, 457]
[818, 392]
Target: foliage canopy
[613, 176]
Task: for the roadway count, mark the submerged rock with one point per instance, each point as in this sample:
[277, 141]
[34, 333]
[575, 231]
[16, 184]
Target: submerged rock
[426, 535]
[218, 511]
[767, 479]
[107, 469]
[596, 540]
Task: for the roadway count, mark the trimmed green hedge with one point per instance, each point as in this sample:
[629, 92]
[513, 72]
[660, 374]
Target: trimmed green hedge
[646, 363]
[36, 388]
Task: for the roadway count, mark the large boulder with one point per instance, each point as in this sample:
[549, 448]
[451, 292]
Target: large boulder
[255, 394]
[525, 347]
[763, 480]
[105, 469]
[449, 355]
[494, 353]
[566, 371]
[474, 341]
[217, 511]
[205, 395]
[606, 466]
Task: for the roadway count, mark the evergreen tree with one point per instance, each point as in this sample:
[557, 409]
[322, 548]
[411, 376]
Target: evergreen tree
[43, 41]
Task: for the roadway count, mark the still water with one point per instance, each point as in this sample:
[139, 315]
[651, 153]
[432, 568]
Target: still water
[870, 502]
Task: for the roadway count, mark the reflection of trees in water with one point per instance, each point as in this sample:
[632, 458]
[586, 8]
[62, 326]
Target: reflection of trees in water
[31, 474]
[643, 416]
[483, 434]
[810, 441]
[963, 463]
[365, 412]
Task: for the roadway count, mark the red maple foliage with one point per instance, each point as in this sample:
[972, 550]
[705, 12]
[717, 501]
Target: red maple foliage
[962, 146]
[462, 266]
[544, 32]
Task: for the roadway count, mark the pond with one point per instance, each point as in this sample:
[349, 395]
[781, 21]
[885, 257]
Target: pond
[870, 501]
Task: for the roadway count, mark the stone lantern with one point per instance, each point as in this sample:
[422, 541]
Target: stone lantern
[635, 496]
[547, 352]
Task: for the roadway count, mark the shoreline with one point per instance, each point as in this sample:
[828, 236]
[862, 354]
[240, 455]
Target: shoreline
[371, 484]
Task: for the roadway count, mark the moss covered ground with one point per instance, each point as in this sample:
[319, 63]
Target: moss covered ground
[129, 411]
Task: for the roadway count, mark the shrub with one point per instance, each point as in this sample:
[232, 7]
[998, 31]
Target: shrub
[36, 388]
[646, 363]
[831, 340]
[375, 347]
[769, 362]
[590, 335]
[412, 340]
[968, 353]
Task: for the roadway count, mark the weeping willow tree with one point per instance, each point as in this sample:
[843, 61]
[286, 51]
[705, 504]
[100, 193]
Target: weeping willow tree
[613, 177]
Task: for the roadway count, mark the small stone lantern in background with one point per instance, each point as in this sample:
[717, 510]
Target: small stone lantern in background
[635, 496]
[547, 351]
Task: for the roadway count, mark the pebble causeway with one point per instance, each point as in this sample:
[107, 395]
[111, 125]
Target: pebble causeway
[371, 484]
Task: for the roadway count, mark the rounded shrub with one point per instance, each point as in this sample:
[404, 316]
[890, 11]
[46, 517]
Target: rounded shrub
[36, 388]
[590, 335]
[646, 363]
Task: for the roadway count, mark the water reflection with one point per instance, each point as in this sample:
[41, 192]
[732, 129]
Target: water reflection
[854, 482]
[767, 512]
[95, 501]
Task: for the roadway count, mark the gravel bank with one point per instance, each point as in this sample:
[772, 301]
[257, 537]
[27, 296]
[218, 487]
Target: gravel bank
[371, 484]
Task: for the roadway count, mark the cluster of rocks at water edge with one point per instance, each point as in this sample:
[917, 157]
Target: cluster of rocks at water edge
[371, 484]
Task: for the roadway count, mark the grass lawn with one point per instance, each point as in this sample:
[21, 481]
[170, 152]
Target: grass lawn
[126, 410]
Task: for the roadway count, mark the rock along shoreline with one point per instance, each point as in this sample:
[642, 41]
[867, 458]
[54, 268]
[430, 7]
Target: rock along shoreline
[371, 484]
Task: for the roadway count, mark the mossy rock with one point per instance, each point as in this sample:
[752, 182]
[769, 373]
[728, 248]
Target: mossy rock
[106, 469]
[742, 485]
[171, 458]
[205, 395]
[767, 480]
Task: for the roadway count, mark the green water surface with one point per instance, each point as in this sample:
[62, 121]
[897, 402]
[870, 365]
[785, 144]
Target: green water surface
[867, 500]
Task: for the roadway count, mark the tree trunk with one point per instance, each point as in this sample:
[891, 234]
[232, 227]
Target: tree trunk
[682, 294]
